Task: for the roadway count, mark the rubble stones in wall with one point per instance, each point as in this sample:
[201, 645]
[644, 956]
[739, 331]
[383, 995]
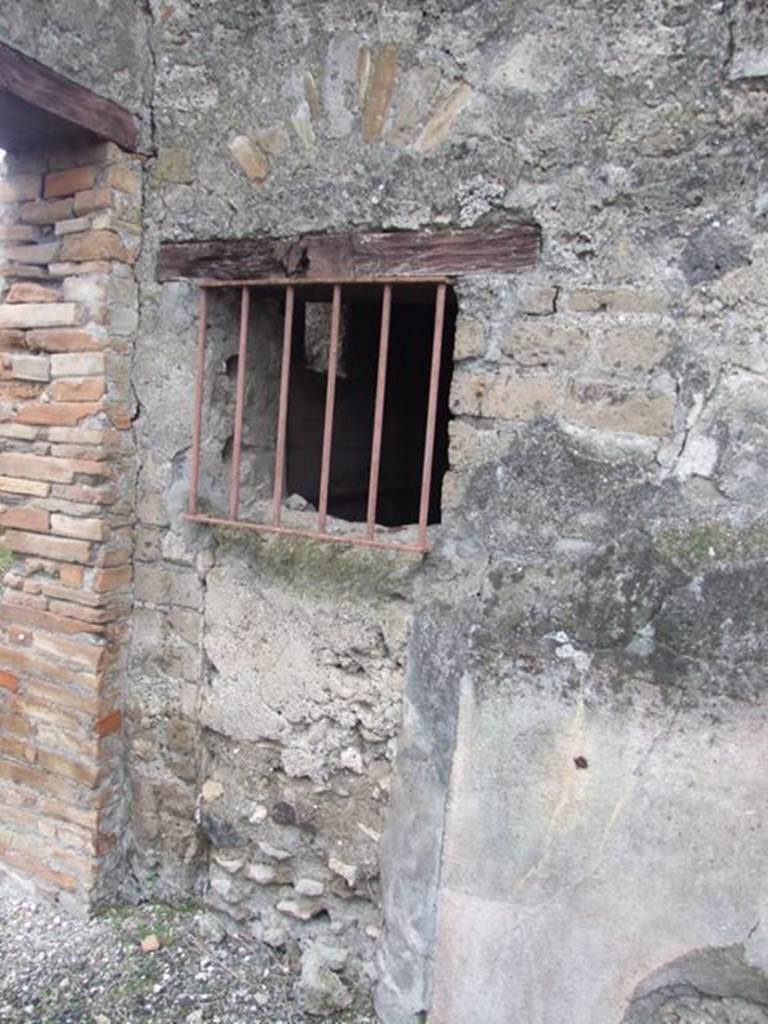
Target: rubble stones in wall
[324, 669]
[299, 730]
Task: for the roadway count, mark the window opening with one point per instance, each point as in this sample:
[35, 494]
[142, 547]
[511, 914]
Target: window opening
[341, 388]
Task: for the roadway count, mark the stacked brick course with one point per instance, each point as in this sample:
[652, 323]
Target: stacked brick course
[69, 235]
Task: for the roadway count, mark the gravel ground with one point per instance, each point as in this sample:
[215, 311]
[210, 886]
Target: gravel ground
[59, 970]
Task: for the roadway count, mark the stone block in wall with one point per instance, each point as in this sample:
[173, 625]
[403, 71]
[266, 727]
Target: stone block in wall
[503, 395]
[471, 338]
[607, 300]
[537, 300]
[547, 343]
[619, 408]
[629, 349]
[68, 182]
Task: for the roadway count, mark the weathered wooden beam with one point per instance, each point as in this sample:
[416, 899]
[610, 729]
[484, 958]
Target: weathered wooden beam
[320, 257]
[83, 113]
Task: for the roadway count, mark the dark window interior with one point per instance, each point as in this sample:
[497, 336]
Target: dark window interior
[410, 351]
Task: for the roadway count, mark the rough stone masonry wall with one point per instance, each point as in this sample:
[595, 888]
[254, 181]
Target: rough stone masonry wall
[608, 427]
[584, 650]
[69, 235]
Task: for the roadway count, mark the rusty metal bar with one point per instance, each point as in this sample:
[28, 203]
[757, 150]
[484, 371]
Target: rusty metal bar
[197, 423]
[282, 411]
[330, 399]
[309, 282]
[311, 534]
[234, 483]
[378, 413]
[429, 436]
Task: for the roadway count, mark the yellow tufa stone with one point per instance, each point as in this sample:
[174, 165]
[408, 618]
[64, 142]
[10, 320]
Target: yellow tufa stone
[252, 159]
[379, 83]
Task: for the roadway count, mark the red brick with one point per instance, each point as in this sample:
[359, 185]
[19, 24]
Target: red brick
[74, 389]
[37, 254]
[44, 212]
[24, 518]
[120, 415]
[25, 271]
[18, 750]
[103, 843]
[36, 467]
[77, 364]
[94, 245]
[62, 696]
[85, 774]
[79, 451]
[85, 494]
[83, 612]
[108, 724]
[113, 558]
[40, 712]
[39, 314]
[14, 485]
[25, 366]
[33, 663]
[9, 681]
[62, 339]
[38, 617]
[18, 233]
[59, 548]
[71, 575]
[112, 579]
[24, 600]
[80, 528]
[95, 600]
[18, 635]
[19, 431]
[28, 291]
[31, 866]
[124, 179]
[16, 725]
[90, 656]
[82, 435]
[88, 467]
[66, 414]
[64, 812]
[16, 391]
[66, 183]
[92, 199]
[21, 815]
[39, 781]
[11, 337]
[74, 838]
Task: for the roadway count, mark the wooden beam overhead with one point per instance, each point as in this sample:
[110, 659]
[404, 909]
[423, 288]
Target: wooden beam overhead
[382, 255]
[37, 99]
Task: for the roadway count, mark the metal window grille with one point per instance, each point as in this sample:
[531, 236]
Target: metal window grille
[370, 535]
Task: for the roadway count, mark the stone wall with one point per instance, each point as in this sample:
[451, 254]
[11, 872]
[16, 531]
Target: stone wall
[605, 407]
[69, 230]
[579, 754]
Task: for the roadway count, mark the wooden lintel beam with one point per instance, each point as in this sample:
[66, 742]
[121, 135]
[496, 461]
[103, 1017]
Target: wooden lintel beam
[60, 97]
[321, 257]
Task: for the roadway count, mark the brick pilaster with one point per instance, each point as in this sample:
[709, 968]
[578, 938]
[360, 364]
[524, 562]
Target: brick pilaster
[69, 233]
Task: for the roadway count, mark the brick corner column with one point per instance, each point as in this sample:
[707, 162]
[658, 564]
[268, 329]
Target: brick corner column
[69, 235]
